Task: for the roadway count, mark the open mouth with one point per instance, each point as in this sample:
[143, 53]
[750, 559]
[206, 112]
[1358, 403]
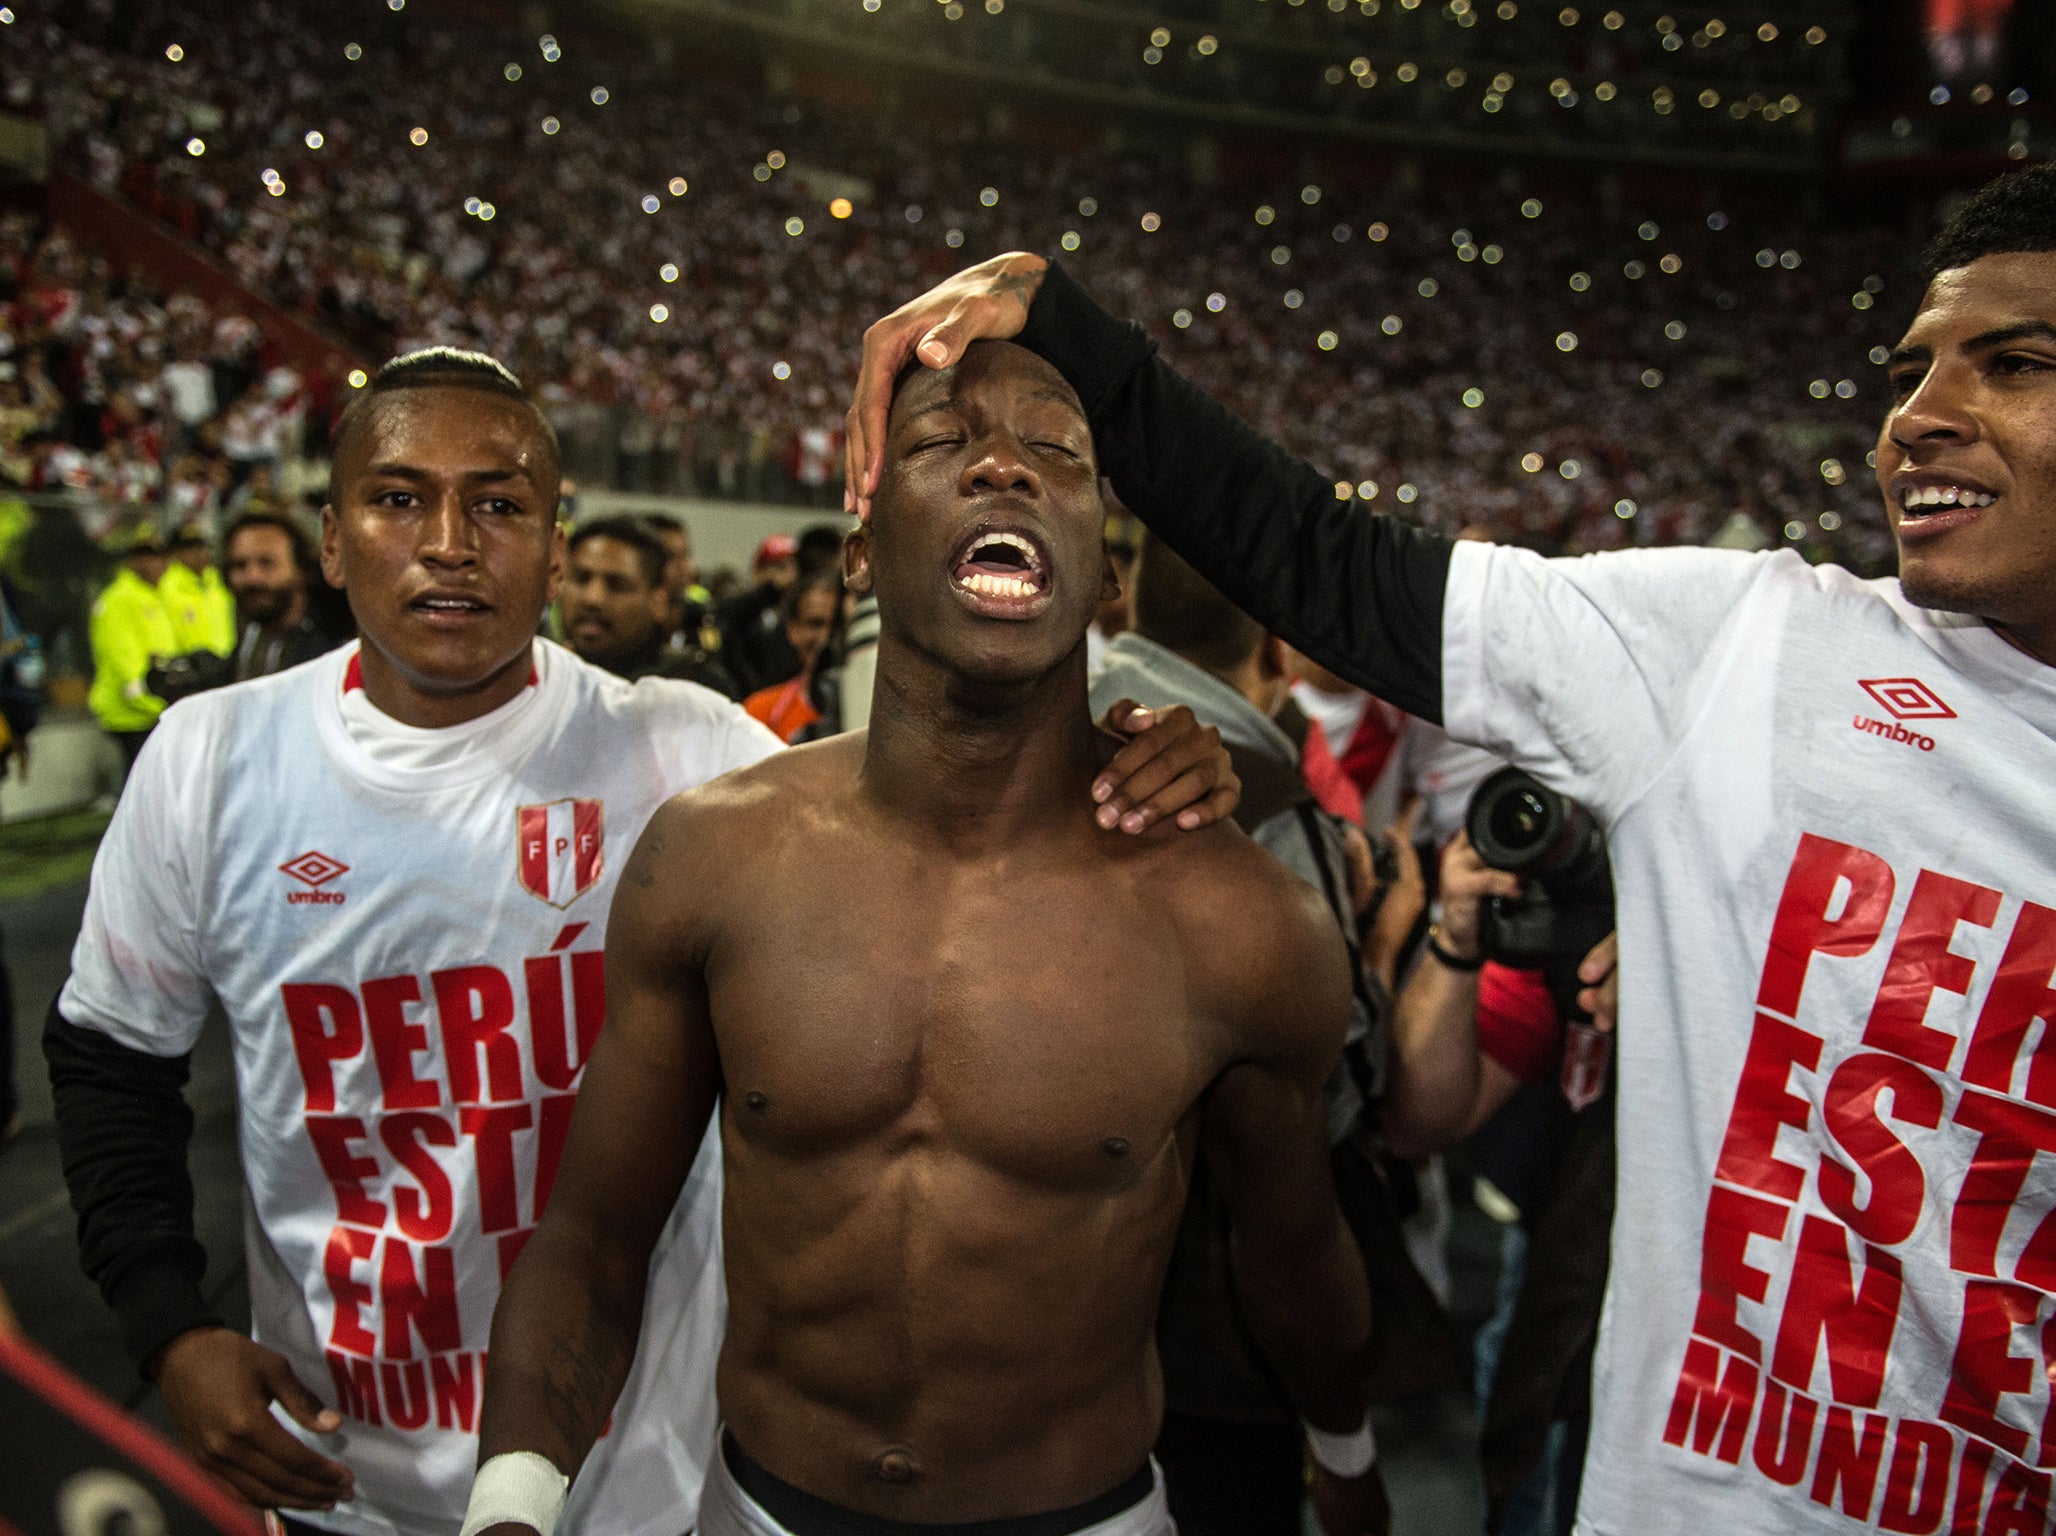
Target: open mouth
[1002, 571]
[1924, 501]
[449, 607]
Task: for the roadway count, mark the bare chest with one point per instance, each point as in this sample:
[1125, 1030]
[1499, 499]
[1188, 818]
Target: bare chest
[1039, 1022]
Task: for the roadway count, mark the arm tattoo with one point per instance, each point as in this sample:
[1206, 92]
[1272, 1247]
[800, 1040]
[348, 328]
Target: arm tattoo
[642, 866]
[1018, 285]
[576, 1379]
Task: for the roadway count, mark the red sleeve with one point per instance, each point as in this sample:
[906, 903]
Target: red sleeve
[1517, 1022]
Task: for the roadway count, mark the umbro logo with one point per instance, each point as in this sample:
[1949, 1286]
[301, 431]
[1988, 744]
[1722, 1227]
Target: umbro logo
[314, 870]
[1903, 698]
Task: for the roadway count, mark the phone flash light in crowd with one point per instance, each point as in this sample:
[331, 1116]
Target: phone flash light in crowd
[599, 95]
[6, 16]
[781, 370]
[1829, 521]
[776, 159]
[353, 52]
[174, 53]
[1570, 469]
[1427, 288]
[1651, 377]
[659, 313]
[651, 202]
[196, 147]
[1408, 492]
[1819, 389]
[550, 51]
[1532, 208]
[417, 137]
[396, 5]
[1216, 302]
[1151, 223]
[551, 125]
[1327, 341]
[472, 205]
[1878, 355]
[871, 5]
[1181, 318]
[359, 378]
[512, 71]
[1566, 341]
[486, 212]
[795, 226]
[989, 196]
[1378, 232]
[1624, 509]
[1532, 463]
[1831, 471]
[677, 186]
[1391, 325]
[1070, 241]
[1675, 330]
[314, 140]
[954, 239]
[1473, 398]
[668, 272]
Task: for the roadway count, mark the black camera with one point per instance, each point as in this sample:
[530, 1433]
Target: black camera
[1520, 825]
[173, 678]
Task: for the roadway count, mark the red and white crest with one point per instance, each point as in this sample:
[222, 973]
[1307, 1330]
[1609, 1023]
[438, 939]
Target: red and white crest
[559, 848]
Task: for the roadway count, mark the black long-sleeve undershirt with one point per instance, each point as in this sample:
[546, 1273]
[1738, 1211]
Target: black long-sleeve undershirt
[1359, 593]
[123, 1128]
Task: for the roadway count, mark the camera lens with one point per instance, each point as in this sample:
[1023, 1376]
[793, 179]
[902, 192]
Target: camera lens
[1520, 821]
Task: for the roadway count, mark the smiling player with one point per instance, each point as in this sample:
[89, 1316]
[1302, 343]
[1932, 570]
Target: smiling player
[958, 1119]
[1831, 806]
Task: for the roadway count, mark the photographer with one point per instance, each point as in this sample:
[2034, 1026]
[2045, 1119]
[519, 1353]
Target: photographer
[1470, 1036]
[272, 575]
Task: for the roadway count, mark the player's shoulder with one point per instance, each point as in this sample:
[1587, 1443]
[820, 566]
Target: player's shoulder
[1242, 913]
[773, 790]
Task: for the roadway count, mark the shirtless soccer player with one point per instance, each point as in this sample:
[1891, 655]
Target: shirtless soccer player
[957, 1127]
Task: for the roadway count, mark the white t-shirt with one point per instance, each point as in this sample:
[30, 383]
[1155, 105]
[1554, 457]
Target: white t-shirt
[405, 928]
[1833, 826]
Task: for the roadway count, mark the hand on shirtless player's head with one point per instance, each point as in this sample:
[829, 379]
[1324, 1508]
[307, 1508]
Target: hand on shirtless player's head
[1966, 458]
[442, 526]
[985, 543]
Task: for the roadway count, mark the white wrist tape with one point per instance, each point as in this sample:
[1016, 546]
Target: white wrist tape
[516, 1488]
[1348, 1455]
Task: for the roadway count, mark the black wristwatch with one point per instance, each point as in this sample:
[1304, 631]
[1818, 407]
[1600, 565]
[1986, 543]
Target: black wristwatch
[1452, 962]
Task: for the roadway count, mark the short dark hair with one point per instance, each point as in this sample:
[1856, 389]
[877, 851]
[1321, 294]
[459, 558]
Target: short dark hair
[2017, 212]
[1185, 613]
[296, 538]
[820, 548]
[665, 522]
[437, 368]
[636, 533]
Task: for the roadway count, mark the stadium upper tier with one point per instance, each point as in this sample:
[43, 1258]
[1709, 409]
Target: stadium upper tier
[1758, 86]
[692, 264]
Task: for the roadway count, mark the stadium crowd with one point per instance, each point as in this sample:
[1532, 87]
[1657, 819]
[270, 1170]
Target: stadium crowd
[663, 255]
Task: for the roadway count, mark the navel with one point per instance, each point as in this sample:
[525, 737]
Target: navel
[1114, 1146]
[896, 1464]
[756, 1100]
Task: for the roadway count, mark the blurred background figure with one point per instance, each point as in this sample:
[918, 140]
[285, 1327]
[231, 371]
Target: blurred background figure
[203, 613]
[131, 629]
[617, 609]
[807, 705]
[274, 574]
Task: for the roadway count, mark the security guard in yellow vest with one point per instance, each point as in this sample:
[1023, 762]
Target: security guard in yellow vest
[202, 609]
[130, 628]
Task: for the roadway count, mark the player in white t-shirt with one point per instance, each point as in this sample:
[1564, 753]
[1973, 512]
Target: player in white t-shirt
[1832, 811]
[392, 869]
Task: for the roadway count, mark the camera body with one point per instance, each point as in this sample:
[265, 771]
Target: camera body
[173, 678]
[1520, 825]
